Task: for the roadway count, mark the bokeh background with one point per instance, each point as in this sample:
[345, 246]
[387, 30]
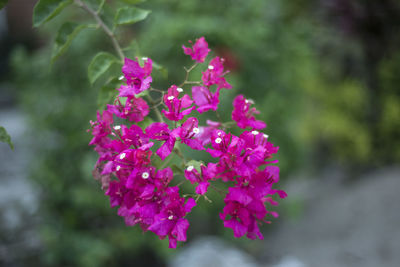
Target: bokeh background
[325, 75]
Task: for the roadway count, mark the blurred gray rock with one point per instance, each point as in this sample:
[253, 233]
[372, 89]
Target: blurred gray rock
[343, 224]
[19, 199]
[212, 252]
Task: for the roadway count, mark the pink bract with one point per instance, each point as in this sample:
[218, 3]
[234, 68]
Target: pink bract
[199, 50]
[135, 153]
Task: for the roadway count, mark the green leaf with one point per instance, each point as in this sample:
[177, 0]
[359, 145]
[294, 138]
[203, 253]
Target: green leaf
[95, 5]
[45, 10]
[3, 3]
[100, 64]
[67, 32]
[133, 2]
[108, 93]
[130, 15]
[196, 164]
[5, 137]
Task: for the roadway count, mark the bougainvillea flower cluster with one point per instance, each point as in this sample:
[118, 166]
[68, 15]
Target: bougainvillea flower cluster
[133, 164]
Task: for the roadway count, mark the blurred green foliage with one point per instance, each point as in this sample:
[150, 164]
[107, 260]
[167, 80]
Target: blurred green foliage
[308, 78]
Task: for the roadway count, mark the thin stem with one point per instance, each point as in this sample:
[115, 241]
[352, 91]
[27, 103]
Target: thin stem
[158, 113]
[187, 74]
[103, 26]
[192, 82]
[220, 191]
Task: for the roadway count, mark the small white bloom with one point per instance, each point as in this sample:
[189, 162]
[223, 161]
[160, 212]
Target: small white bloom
[266, 135]
[219, 133]
[170, 97]
[180, 90]
[196, 130]
[190, 168]
[218, 140]
[145, 58]
[122, 156]
[145, 175]
[118, 168]
[117, 127]
[121, 78]
[254, 132]
[210, 67]
[170, 217]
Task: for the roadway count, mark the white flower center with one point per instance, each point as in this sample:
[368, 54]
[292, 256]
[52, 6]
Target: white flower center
[218, 140]
[266, 135]
[117, 127]
[122, 156]
[190, 168]
[219, 133]
[254, 132]
[170, 97]
[196, 130]
[180, 90]
[210, 67]
[118, 168]
[145, 58]
[170, 217]
[145, 175]
[121, 78]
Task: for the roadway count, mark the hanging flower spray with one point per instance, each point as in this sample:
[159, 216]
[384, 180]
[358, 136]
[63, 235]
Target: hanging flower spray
[143, 191]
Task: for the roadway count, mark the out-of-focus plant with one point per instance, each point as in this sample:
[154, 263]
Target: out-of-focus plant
[159, 208]
[5, 137]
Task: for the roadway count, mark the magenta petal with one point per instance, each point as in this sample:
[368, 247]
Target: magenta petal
[145, 85]
[214, 153]
[201, 189]
[194, 144]
[190, 203]
[238, 229]
[108, 168]
[158, 131]
[172, 242]
[199, 94]
[166, 148]
[186, 101]
[185, 112]
[148, 190]
[162, 227]
[126, 90]
[239, 195]
[180, 229]
[199, 51]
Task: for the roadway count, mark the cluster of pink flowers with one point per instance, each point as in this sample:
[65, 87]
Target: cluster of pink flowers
[143, 191]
